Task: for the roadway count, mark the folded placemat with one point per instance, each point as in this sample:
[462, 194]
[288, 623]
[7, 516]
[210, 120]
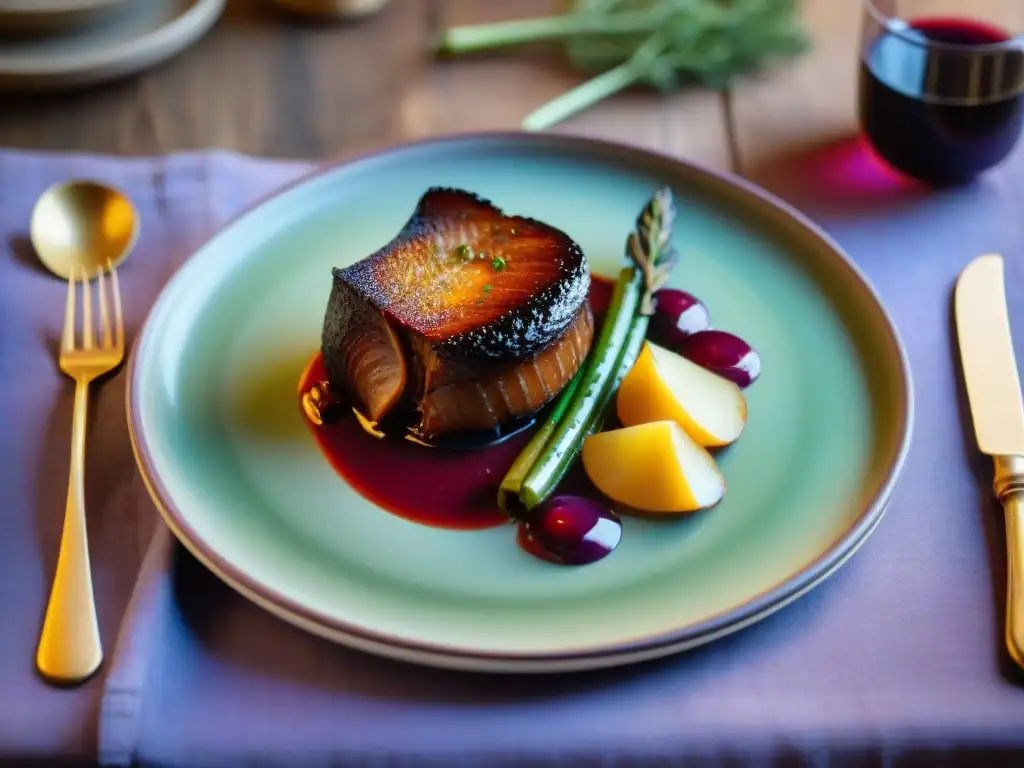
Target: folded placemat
[181, 199]
[895, 660]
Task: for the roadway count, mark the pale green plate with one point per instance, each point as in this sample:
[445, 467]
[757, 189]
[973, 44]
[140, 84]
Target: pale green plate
[237, 476]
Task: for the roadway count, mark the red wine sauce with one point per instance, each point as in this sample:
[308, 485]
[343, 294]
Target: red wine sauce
[430, 486]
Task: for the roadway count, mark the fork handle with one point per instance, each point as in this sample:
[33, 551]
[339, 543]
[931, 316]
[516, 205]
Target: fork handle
[69, 648]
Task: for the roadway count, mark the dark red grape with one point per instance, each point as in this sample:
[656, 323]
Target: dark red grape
[723, 353]
[570, 530]
[677, 315]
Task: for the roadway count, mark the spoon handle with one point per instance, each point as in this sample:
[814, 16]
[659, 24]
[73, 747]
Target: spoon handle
[69, 648]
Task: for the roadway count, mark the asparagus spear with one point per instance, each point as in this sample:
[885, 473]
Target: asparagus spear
[630, 352]
[512, 483]
[601, 364]
[546, 459]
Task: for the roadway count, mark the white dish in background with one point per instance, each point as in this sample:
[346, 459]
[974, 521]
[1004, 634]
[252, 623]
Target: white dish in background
[127, 40]
[32, 17]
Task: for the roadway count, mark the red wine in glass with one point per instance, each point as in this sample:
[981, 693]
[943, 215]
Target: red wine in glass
[941, 97]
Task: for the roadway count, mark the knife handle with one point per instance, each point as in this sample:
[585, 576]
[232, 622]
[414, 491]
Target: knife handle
[1009, 487]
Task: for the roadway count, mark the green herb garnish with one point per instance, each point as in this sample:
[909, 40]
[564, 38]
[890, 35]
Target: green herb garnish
[498, 264]
[464, 252]
[488, 288]
[666, 44]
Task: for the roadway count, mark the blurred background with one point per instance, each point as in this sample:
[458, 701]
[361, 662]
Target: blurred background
[268, 82]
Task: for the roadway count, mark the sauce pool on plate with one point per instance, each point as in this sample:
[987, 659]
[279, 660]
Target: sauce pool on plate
[454, 489]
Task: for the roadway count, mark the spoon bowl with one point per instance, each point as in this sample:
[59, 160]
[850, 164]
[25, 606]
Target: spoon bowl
[83, 225]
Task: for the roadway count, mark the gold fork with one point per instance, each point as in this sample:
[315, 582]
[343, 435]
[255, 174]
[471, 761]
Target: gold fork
[69, 648]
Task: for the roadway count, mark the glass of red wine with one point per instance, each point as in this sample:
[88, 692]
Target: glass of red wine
[941, 85]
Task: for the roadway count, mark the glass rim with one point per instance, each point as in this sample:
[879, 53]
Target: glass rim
[884, 20]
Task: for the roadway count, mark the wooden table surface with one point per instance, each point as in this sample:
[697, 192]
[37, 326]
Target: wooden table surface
[261, 83]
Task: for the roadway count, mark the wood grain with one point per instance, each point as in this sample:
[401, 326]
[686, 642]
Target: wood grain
[267, 84]
[499, 90]
[261, 82]
[805, 103]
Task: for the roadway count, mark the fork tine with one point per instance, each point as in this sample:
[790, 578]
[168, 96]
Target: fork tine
[86, 312]
[101, 284]
[118, 316]
[68, 341]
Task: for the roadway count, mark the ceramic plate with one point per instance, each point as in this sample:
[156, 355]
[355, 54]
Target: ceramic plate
[233, 467]
[123, 41]
[24, 17]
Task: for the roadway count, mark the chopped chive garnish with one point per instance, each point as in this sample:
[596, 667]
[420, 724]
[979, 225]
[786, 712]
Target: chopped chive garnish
[498, 263]
[464, 252]
[488, 288]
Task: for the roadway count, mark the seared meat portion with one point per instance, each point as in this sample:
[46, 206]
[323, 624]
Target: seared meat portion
[467, 319]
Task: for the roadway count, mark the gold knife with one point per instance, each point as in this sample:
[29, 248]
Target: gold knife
[993, 389]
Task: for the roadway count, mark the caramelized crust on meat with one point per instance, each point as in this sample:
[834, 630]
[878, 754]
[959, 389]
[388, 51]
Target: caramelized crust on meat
[468, 317]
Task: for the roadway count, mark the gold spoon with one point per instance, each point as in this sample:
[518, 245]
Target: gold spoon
[83, 225]
[80, 229]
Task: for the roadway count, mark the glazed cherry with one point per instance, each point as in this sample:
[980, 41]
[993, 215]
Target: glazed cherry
[570, 530]
[677, 315]
[723, 353]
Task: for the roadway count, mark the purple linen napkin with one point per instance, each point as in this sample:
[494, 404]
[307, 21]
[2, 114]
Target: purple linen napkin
[181, 199]
[896, 660]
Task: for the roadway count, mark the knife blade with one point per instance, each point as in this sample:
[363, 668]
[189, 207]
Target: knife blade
[997, 411]
[986, 353]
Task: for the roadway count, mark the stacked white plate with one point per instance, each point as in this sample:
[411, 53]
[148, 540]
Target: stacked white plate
[51, 44]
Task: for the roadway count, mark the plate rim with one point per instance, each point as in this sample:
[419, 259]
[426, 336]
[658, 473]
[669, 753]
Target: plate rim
[43, 7]
[127, 56]
[712, 628]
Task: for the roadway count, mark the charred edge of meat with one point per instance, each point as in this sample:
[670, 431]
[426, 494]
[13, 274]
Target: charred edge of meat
[519, 332]
[346, 362]
[514, 390]
[533, 325]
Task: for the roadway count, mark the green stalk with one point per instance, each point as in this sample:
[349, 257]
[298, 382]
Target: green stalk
[708, 41]
[474, 38]
[602, 364]
[581, 97]
[630, 352]
[513, 481]
[597, 88]
[587, 402]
